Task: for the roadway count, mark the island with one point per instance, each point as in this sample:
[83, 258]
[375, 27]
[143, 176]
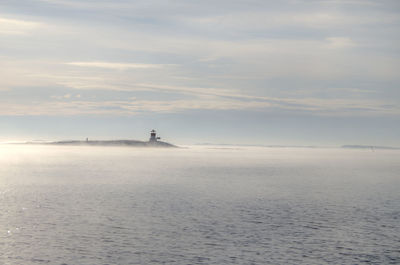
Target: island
[369, 147]
[152, 142]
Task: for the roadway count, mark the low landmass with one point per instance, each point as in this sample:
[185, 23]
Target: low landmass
[370, 147]
[114, 143]
[259, 145]
[302, 146]
[153, 142]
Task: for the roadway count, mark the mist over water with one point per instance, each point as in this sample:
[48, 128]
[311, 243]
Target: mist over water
[198, 205]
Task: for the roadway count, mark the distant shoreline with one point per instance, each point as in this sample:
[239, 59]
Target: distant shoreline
[370, 147]
[133, 143]
[161, 144]
[305, 146]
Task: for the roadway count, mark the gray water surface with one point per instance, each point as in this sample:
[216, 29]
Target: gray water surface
[201, 205]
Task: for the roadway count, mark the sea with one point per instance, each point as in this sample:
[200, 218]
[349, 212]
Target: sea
[198, 205]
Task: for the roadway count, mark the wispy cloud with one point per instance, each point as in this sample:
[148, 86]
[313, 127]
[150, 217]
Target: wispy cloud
[74, 104]
[226, 58]
[340, 42]
[239, 21]
[323, 107]
[351, 2]
[117, 66]
[17, 27]
[89, 5]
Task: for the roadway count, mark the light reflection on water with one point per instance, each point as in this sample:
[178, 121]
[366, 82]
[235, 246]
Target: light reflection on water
[201, 205]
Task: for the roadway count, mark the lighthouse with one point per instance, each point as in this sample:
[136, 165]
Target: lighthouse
[153, 136]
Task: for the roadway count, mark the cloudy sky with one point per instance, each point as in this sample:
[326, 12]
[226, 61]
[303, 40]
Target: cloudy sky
[295, 72]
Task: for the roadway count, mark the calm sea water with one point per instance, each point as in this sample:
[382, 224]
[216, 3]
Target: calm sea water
[200, 205]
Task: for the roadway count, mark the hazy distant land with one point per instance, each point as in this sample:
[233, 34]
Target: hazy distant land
[370, 147]
[133, 143]
[137, 143]
[307, 146]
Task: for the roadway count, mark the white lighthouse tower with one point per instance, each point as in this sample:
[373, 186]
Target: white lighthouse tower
[153, 136]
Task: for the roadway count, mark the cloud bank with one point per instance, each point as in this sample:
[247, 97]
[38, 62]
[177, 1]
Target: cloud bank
[125, 58]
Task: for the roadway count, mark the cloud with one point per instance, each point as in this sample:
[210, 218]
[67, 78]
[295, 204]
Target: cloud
[340, 42]
[90, 4]
[198, 97]
[224, 58]
[68, 104]
[246, 22]
[116, 66]
[17, 27]
[351, 2]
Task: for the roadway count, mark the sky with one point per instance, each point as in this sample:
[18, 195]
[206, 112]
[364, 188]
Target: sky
[291, 72]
